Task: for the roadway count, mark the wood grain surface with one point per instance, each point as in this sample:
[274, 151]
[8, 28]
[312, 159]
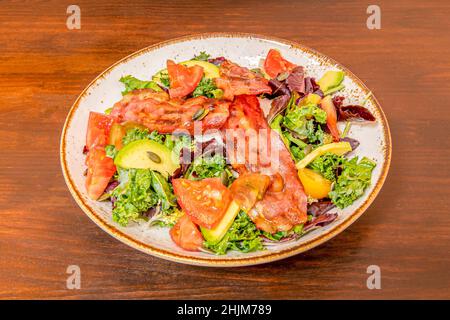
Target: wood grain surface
[44, 66]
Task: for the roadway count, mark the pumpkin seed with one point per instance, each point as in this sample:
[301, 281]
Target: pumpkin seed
[200, 114]
[154, 157]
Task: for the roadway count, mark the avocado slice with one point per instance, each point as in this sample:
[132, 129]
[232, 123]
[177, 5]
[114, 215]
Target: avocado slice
[211, 71]
[338, 148]
[147, 154]
[216, 234]
[331, 80]
[334, 89]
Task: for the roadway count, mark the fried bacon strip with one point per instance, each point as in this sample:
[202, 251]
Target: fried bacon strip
[284, 204]
[236, 80]
[157, 111]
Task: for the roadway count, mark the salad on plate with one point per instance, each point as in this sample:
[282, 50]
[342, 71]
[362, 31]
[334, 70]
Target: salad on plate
[226, 157]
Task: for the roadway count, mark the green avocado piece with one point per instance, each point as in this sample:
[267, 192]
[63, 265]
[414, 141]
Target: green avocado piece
[330, 80]
[334, 89]
[216, 234]
[147, 154]
[211, 71]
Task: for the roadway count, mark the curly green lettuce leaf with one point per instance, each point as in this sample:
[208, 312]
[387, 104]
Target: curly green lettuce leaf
[164, 79]
[131, 83]
[352, 182]
[133, 196]
[202, 56]
[110, 151]
[305, 121]
[307, 112]
[242, 236]
[134, 134]
[207, 88]
[210, 167]
[173, 142]
[167, 218]
[327, 165]
[278, 236]
[206, 167]
[140, 190]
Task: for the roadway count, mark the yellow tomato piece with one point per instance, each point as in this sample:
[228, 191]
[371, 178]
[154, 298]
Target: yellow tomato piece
[310, 98]
[315, 185]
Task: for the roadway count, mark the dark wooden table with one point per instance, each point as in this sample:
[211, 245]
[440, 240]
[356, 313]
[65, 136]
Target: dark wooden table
[44, 66]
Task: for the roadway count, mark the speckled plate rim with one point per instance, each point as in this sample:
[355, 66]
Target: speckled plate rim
[239, 261]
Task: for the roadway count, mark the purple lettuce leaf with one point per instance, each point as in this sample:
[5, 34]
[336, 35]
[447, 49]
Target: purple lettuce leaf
[320, 207]
[320, 221]
[354, 112]
[111, 186]
[217, 61]
[279, 104]
[296, 80]
[351, 111]
[310, 85]
[279, 88]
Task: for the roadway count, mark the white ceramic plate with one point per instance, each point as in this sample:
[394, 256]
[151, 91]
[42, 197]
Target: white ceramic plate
[246, 50]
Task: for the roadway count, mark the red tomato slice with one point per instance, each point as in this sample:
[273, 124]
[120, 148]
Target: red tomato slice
[276, 64]
[100, 170]
[204, 201]
[183, 80]
[116, 133]
[98, 129]
[249, 188]
[186, 234]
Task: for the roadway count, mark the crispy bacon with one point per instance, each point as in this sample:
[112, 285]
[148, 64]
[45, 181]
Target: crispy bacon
[157, 111]
[236, 80]
[280, 209]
